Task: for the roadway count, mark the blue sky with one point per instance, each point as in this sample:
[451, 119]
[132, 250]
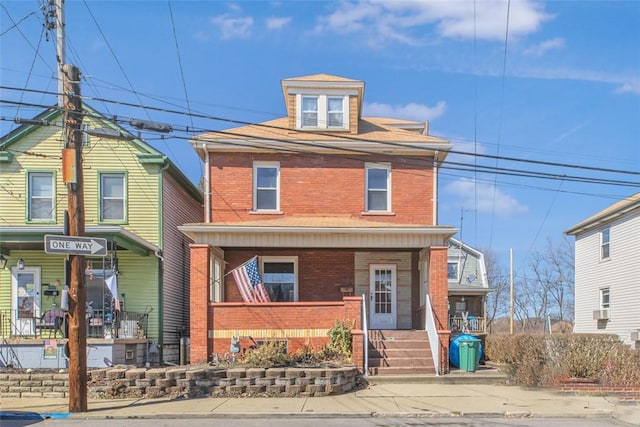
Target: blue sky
[561, 85]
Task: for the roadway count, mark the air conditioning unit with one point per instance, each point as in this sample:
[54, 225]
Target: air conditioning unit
[635, 335]
[601, 315]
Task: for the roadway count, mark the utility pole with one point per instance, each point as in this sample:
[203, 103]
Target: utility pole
[60, 51]
[511, 290]
[72, 155]
[70, 103]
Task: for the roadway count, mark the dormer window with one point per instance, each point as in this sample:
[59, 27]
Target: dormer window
[309, 111]
[322, 111]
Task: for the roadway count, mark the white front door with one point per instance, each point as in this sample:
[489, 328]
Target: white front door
[382, 292]
[25, 299]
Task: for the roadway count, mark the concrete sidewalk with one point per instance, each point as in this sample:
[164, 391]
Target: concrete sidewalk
[378, 400]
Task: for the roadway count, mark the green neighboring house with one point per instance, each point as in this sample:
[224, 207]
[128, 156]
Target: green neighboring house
[134, 198]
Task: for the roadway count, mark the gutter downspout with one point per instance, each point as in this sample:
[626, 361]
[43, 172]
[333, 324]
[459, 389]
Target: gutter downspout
[435, 189]
[207, 186]
[158, 254]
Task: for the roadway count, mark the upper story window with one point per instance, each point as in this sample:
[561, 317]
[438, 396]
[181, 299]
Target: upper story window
[266, 187]
[378, 186]
[112, 197]
[322, 111]
[41, 196]
[452, 270]
[604, 244]
[309, 111]
[335, 112]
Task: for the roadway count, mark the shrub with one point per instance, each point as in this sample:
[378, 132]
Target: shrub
[340, 340]
[268, 355]
[543, 360]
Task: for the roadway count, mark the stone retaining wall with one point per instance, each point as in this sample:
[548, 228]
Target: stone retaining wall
[192, 381]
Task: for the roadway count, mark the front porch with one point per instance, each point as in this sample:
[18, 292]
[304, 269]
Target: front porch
[30, 341]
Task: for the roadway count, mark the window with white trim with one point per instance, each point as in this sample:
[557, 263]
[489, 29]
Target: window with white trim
[266, 186]
[112, 197]
[315, 111]
[605, 244]
[41, 196]
[378, 187]
[604, 299]
[452, 270]
[309, 111]
[280, 277]
[335, 112]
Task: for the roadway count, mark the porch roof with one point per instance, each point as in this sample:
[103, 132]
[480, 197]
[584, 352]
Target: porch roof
[32, 238]
[320, 232]
[458, 289]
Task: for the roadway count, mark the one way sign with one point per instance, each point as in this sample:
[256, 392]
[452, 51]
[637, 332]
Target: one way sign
[75, 245]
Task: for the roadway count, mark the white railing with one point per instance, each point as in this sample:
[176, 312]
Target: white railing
[365, 331]
[430, 327]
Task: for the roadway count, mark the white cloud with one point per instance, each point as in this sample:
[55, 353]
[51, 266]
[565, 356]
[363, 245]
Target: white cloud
[542, 47]
[384, 21]
[276, 23]
[484, 198]
[231, 27]
[411, 111]
[630, 87]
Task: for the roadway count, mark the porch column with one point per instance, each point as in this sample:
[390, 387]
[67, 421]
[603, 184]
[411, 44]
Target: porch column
[353, 311]
[200, 318]
[439, 291]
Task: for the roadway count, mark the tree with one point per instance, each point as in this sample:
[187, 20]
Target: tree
[498, 280]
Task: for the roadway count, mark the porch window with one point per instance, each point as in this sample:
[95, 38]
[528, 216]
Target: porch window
[266, 186]
[41, 196]
[604, 244]
[378, 186]
[280, 278]
[112, 197]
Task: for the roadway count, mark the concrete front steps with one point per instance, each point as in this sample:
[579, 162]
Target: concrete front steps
[399, 353]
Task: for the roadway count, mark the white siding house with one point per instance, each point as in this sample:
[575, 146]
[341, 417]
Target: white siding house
[607, 272]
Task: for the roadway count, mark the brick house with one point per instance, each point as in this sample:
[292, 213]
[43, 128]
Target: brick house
[341, 212]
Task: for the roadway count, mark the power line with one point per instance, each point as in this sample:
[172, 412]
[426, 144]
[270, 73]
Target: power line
[350, 137]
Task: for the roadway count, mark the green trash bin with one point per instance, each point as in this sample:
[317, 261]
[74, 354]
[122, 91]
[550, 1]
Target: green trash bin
[469, 349]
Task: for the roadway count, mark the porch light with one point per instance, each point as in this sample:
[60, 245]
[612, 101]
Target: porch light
[3, 262]
[20, 264]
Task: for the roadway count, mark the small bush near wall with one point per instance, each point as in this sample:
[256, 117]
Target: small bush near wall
[546, 360]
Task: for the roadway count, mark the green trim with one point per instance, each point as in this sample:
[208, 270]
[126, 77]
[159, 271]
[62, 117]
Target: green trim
[6, 157]
[38, 237]
[125, 208]
[151, 159]
[27, 175]
[24, 130]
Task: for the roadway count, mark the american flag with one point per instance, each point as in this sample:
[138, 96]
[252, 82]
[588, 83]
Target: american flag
[249, 282]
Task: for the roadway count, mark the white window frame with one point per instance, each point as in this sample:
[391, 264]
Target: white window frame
[457, 264]
[323, 110]
[341, 112]
[316, 112]
[265, 165]
[605, 305]
[52, 196]
[370, 166]
[123, 197]
[605, 244]
[274, 259]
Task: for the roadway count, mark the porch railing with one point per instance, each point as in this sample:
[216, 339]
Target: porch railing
[52, 324]
[432, 332]
[470, 325]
